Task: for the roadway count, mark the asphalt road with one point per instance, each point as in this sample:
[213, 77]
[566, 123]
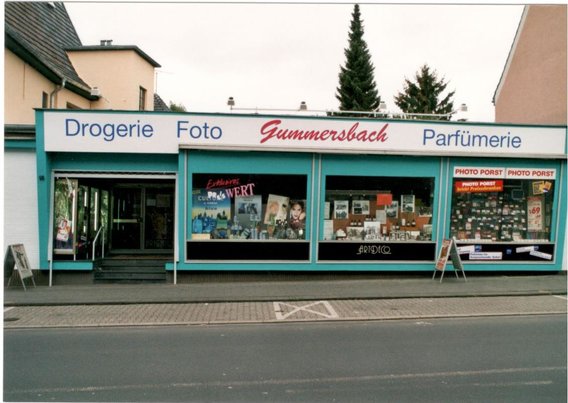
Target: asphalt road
[490, 359]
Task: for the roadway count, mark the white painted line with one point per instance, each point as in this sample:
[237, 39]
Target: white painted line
[280, 316]
[561, 297]
[8, 309]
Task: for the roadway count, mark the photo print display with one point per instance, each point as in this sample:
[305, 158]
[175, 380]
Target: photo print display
[341, 209]
[276, 209]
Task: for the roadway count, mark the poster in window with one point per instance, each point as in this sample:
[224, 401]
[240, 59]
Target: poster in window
[327, 229]
[537, 187]
[384, 199]
[360, 207]
[407, 203]
[372, 230]
[276, 209]
[392, 210]
[65, 210]
[248, 210]
[381, 216]
[534, 214]
[341, 209]
[211, 210]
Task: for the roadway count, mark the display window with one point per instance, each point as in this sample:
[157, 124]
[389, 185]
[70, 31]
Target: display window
[502, 210]
[248, 217]
[248, 207]
[378, 209]
[245, 207]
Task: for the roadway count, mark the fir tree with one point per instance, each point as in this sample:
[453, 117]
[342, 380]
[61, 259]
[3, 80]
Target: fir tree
[423, 96]
[357, 89]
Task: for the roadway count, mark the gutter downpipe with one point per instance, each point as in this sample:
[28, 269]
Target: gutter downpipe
[55, 91]
[50, 244]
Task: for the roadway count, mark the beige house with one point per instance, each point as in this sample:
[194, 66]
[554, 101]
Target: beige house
[533, 86]
[46, 66]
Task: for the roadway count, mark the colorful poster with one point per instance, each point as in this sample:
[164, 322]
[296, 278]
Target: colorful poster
[65, 212]
[384, 199]
[211, 210]
[276, 209]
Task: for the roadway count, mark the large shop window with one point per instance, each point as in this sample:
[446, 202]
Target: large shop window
[240, 210]
[502, 210]
[372, 208]
[376, 218]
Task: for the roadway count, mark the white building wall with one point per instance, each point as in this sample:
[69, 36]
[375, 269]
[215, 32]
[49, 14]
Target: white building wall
[20, 202]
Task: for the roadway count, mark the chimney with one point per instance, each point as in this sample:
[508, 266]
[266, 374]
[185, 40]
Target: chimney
[106, 42]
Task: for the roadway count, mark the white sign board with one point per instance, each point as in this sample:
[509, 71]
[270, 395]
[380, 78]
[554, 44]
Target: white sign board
[504, 173]
[148, 132]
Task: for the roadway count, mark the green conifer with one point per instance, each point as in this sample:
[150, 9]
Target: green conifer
[423, 96]
[357, 90]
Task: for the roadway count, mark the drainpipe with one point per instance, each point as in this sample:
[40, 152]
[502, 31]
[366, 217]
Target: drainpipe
[55, 91]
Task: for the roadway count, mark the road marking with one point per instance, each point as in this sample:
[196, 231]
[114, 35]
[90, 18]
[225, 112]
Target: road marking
[8, 309]
[305, 308]
[560, 296]
[293, 381]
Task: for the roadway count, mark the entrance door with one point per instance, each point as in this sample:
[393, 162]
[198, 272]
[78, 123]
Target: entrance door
[127, 218]
[143, 217]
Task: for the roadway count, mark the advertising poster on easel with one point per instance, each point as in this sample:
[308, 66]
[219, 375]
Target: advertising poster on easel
[17, 259]
[449, 249]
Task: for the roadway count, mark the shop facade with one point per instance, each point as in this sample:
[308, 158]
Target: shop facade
[255, 192]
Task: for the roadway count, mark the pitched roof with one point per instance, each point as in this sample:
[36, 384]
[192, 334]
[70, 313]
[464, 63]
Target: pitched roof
[160, 105]
[39, 33]
[510, 55]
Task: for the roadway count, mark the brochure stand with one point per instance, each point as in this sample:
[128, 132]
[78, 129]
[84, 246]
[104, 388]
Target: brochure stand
[449, 249]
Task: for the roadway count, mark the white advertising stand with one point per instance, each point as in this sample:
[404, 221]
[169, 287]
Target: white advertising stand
[17, 260]
[449, 248]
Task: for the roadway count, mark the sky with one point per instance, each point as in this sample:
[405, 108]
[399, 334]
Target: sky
[275, 55]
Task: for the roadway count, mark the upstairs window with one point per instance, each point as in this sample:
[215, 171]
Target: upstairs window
[142, 99]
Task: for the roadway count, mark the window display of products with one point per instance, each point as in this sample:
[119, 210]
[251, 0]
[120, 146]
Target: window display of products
[496, 210]
[248, 207]
[379, 208]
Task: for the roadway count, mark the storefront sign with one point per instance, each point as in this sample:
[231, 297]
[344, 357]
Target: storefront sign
[376, 251]
[147, 132]
[504, 173]
[530, 173]
[479, 186]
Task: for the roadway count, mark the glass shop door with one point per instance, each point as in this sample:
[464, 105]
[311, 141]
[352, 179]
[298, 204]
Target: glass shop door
[127, 218]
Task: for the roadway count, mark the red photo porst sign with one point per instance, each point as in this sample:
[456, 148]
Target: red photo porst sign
[479, 186]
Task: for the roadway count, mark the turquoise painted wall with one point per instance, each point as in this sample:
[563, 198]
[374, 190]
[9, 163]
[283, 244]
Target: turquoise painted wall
[316, 167]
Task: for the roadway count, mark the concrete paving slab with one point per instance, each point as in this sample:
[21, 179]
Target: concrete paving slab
[290, 290]
[277, 311]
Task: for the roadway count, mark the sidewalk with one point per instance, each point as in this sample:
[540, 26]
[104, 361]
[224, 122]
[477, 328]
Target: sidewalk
[291, 288]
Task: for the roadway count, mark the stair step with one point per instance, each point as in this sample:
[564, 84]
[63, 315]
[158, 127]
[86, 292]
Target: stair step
[130, 270]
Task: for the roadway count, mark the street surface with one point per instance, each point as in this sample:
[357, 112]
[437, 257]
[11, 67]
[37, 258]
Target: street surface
[479, 359]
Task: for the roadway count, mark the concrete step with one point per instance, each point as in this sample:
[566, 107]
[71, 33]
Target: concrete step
[130, 271]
